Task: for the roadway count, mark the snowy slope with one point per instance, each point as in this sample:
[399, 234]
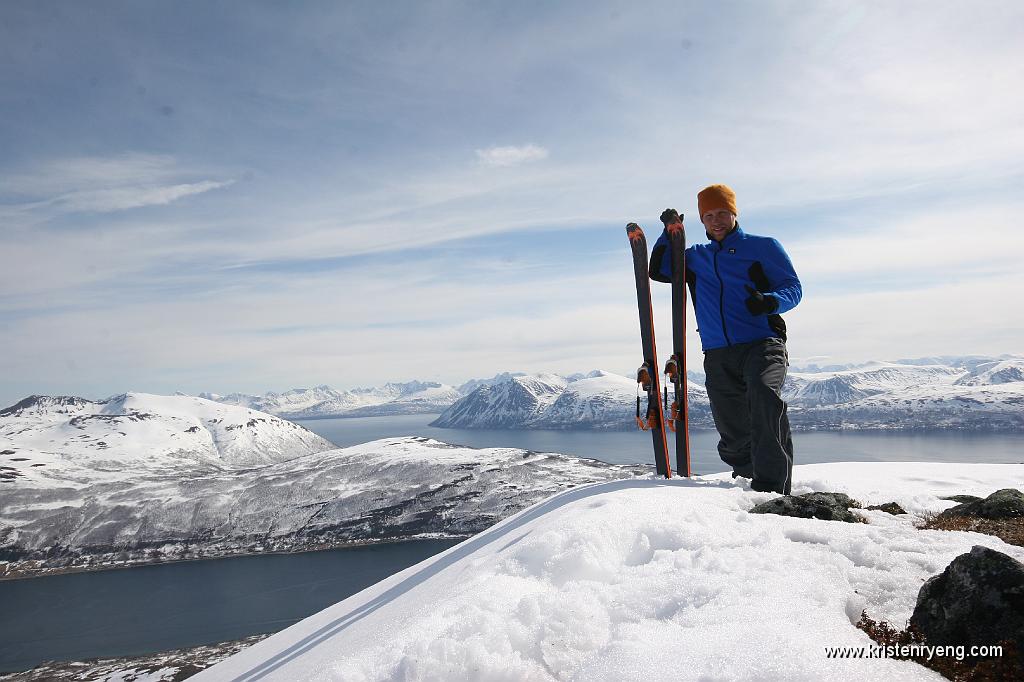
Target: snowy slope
[595, 402]
[413, 398]
[67, 515]
[507, 404]
[831, 388]
[599, 400]
[996, 407]
[606, 401]
[648, 579]
[51, 436]
[995, 372]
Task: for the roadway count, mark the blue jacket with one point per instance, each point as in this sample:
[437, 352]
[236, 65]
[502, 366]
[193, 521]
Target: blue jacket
[716, 273]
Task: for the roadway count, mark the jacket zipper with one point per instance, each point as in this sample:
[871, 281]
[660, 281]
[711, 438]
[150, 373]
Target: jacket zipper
[721, 297]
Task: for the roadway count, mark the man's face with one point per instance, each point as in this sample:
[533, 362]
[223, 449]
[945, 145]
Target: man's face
[718, 223]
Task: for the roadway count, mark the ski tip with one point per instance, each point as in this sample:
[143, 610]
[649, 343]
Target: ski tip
[634, 232]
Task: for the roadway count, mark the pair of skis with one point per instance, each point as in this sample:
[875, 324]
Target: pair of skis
[675, 369]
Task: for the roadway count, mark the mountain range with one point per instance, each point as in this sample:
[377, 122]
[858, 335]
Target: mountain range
[951, 392]
[142, 478]
[983, 395]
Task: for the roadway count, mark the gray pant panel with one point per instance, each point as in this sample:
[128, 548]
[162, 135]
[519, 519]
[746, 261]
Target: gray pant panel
[744, 384]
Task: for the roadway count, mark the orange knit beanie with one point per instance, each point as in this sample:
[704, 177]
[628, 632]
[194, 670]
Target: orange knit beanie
[715, 197]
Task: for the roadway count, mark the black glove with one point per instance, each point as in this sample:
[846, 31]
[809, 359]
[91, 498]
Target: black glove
[758, 303]
[670, 215]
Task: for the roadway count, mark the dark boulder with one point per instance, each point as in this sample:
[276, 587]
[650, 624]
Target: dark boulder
[962, 498]
[977, 600]
[888, 508]
[1007, 503]
[825, 506]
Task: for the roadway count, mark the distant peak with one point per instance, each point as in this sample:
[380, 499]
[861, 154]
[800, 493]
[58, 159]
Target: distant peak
[44, 401]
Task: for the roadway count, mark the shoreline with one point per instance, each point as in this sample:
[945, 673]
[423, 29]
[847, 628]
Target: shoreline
[8, 574]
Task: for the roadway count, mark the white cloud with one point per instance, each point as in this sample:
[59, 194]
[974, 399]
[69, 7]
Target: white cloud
[103, 184]
[928, 243]
[122, 198]
[956, 317]
[511, 156]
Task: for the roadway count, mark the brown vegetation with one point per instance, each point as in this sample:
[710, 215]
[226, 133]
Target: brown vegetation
[1005, 668]
[1010, 531]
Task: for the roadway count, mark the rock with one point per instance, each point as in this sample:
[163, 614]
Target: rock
[977, 600]
[962, 498]
[888, 508]
[1002, 504]
[825, 506]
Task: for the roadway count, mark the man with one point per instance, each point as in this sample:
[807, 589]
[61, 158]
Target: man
[739, 284]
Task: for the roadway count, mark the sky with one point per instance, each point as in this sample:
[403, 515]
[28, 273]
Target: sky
[257, 196]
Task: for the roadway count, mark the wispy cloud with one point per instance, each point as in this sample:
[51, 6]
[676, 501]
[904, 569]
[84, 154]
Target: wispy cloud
[511, 156]
[359, 139]
[122, 198]
[103, 184]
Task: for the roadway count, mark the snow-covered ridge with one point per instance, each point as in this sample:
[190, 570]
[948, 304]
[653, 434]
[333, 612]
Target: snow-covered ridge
[162, 490]
[46, 437]
[995, 372]
[508, 404]
[649, 579]
[981, 395]
[414, 397]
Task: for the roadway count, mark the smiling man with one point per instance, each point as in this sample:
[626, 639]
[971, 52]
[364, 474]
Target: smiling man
[740, 284]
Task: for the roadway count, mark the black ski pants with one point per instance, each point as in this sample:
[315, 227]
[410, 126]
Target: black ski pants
[744, 383]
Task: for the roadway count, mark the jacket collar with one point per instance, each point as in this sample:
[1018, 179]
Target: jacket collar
[730, 239]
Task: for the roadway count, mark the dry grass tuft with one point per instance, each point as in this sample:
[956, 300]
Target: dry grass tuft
[1010, 531]
[1005, 668]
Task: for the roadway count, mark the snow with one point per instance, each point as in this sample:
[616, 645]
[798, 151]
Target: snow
[323, 401]
[982, 395]
[391, 488]
[648, 579]
[56, 440]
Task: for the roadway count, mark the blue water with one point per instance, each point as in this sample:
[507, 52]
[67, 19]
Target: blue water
[141, 610]
[634, 447]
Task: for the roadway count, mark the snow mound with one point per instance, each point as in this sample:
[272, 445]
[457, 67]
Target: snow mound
[647, 579]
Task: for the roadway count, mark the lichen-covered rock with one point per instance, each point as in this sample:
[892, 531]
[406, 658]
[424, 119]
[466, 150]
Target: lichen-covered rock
[1007, 503]
[888, 508]
[977, 600]
[824, 506]
[962, 498]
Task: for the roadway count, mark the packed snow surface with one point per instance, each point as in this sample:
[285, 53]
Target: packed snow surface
[647, 579]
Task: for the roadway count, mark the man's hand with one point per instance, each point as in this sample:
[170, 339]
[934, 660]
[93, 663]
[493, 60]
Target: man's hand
[758, 303]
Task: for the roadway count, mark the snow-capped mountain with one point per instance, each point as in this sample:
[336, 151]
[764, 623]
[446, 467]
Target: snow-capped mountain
[994, 372]
[844, 386]
[606, 401]
[992, 408]
[410, 398]
[473, 384]
[511, 403]
[414, 397]
[598, 400]
[44, 438]
[142, 478]
[979, 394]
